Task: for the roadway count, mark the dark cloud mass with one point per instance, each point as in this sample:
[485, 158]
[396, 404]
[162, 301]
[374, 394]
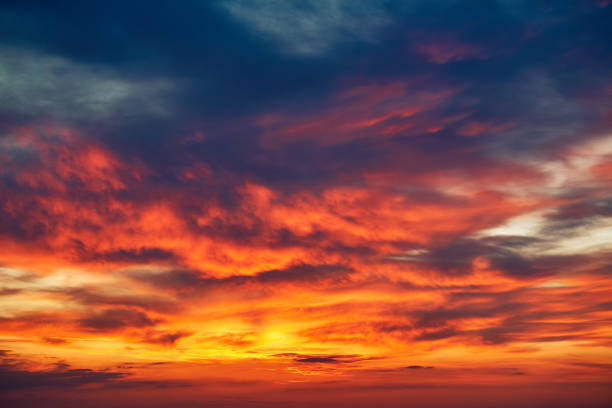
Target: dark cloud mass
[115, 319]
[194, 283]
[316, 360]
[17, 377]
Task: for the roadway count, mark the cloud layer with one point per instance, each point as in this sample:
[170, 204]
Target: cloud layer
[263, 203]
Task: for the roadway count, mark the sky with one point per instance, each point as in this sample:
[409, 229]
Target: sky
[318, 203]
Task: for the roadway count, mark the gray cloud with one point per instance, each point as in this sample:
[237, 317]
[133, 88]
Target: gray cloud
[314, 27]
[35, 84]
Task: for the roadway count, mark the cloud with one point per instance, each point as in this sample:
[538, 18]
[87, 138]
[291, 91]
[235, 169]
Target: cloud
[504, 254]
[471, 316]
[325, 360]
[54, 340]
[101, 297]
[9, 291]
[39, 84]
[543, 108]
[578, 229]
[140, 255]
[116, 319]
[195, 283]
[15, 375]
[165, 338]
[312, 28]
[334, 359]
[14, 378]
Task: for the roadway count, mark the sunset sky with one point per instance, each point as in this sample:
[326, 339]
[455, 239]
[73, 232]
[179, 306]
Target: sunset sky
[304, 204]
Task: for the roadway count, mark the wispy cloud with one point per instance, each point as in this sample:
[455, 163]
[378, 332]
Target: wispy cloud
[39, 84]
[312, 28]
